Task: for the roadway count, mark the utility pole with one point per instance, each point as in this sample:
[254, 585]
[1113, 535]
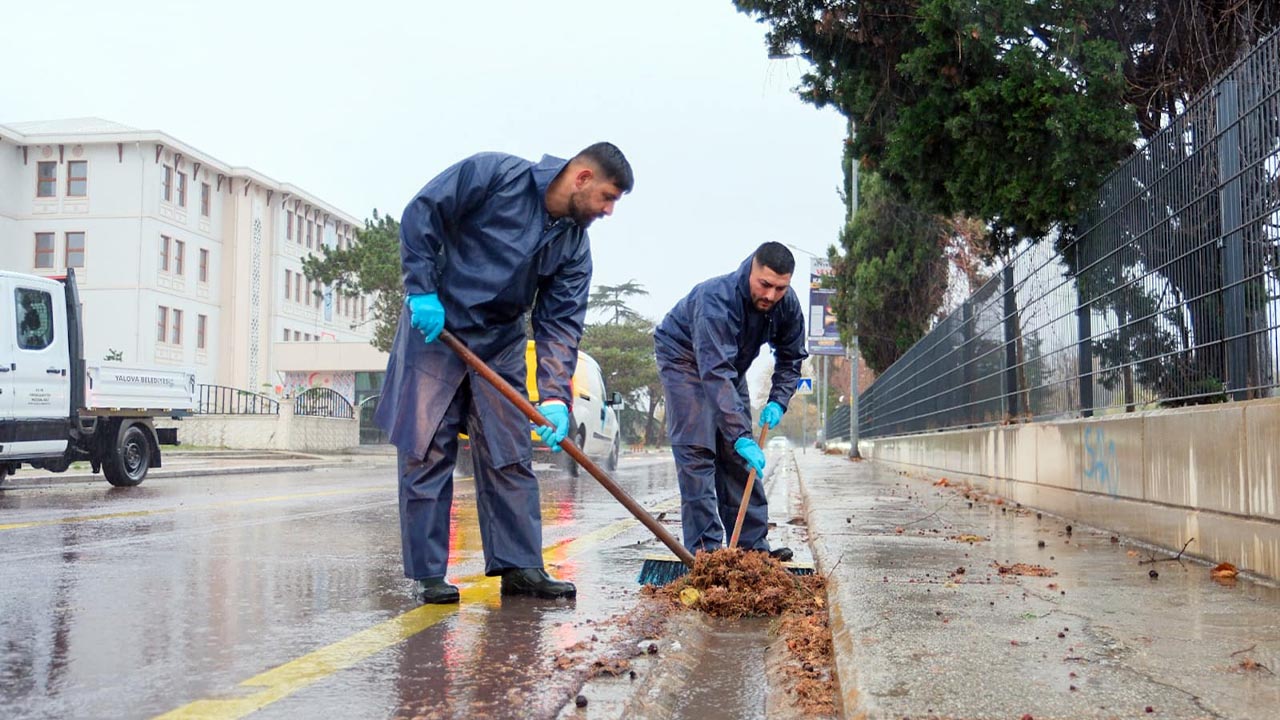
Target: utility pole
[855, 357]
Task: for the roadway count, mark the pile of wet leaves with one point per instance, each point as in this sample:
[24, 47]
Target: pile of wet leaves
[734, 583]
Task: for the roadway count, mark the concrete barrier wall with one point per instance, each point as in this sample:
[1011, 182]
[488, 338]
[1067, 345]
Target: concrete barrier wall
[285, 431]
[1211, 473]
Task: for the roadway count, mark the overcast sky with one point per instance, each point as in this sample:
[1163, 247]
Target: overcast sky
[362, 102]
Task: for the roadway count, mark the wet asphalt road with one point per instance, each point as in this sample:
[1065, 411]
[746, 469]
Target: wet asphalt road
[282, 595]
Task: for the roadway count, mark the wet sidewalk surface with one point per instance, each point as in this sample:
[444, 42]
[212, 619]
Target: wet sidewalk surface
[926, 626]
[193, 463]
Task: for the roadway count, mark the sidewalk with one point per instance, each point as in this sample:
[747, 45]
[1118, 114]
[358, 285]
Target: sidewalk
[925, 625]
[195, 463]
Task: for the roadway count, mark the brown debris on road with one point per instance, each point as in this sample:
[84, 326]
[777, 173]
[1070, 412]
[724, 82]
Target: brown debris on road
[1024, 569]
[732, 583]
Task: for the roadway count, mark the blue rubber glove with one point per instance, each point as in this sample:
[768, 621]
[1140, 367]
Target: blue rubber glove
[771, 415]
[558, 414]
[750, 452]
[427, 314]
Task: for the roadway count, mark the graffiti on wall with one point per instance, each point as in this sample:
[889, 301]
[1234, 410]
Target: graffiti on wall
[1100, 464]
[344, 383]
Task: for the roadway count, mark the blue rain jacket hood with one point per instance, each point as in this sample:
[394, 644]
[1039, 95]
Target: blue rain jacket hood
[712, 336]
[479, 235]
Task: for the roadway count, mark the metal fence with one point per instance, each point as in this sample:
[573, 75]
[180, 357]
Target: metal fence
[1169, 295]
[223, 400]
[322, 402]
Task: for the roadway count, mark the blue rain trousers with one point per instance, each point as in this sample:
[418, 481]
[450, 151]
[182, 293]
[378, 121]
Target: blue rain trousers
[507, 501]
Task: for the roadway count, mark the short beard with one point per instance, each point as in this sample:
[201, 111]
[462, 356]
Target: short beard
[583, 219]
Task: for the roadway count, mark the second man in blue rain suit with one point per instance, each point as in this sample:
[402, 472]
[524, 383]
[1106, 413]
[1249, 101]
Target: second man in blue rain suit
[485, 242]
[704, 347]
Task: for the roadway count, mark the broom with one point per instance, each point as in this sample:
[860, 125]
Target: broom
[660, 571]
[567, 445]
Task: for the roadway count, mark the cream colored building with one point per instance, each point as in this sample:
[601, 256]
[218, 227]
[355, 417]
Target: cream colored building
[182, 259]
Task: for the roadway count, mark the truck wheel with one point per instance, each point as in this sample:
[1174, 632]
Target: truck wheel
[130, 458]
[611, 464]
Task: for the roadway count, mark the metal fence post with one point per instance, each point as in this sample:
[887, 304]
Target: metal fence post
[1084, 336]
[967, 336]
[1010, 344]
[1230, 204]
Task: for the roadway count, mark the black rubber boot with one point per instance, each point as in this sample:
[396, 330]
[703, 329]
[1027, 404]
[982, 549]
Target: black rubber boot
[435, 591]
[535, 582]
[781, 554]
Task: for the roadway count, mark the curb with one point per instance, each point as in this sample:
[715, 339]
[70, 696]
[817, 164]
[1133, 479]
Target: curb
[842, 636]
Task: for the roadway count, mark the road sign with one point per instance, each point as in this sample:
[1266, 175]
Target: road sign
[804, 386]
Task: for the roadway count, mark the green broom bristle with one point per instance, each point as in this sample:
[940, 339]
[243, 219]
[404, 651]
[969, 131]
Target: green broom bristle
[660, 571]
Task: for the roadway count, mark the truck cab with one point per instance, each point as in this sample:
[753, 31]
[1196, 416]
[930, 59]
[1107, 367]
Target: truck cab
[35, 372]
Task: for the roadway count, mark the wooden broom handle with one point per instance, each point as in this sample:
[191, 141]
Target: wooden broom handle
[746, 492]
[567, 445]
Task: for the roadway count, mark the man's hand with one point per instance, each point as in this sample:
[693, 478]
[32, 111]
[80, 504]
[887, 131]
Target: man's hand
[751, 452]
[771, 415]
[427, 314]
[557, 413]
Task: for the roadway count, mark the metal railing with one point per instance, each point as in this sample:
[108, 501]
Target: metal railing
[322, 402]
[1169, 293]
[223, 400]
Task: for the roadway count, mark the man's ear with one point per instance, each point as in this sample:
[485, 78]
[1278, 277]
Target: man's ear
[583, 177]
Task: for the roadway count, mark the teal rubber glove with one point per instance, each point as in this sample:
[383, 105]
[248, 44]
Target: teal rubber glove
[751, 452]
[558, 414]
[771, 415]
[427, 314]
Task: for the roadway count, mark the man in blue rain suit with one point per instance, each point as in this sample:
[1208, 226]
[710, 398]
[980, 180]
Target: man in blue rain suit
[486, 241]
[704, 347]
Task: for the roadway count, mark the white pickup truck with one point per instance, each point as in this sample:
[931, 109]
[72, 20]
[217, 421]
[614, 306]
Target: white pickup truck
[56, 409]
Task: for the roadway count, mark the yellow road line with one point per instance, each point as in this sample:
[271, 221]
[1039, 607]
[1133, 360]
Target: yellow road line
[284, 680]
[214, 506]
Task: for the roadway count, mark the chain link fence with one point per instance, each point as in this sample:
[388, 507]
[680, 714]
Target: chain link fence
[1168, 295]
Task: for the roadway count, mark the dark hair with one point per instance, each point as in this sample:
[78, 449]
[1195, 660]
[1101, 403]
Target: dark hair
[612, 163]
[776, 257]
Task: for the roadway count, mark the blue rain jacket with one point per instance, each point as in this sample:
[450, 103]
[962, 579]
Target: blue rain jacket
[707, 342]
[479, 236]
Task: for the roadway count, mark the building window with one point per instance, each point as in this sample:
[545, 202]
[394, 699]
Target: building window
[299, 234]
[166, 190]
[75, 249]
[306, 337]
[201, 322]
[44, 250]
[297, 288]
[309, 224]
[162, 323]
[182, 189]
[288, 284]
[204, 265]
[165, 241]
[362, 308]
[179, 250]
[297, 336]
[175, 337]
[288, 225]
[204, 199]
[46, 179]
[77, 178]
[286, 334]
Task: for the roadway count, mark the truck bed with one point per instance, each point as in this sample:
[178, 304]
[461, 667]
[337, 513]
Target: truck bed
[111, 387]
